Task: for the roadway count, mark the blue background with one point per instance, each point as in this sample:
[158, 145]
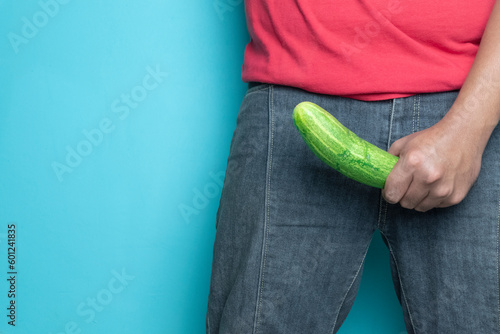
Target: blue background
[99, 158]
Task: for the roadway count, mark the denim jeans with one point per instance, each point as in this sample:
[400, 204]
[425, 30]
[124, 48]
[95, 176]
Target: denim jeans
[292, 233]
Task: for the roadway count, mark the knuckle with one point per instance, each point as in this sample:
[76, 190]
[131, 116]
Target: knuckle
[456, 198]
[407, 204]
[415, 159]
[453, 199]
[432, 175]
[422, 209]
[443, 191]
[410, 201]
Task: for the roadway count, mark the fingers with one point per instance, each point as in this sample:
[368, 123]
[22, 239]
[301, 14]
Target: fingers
[432, 170]
[423, 197]
[417, 182]
[432, 199]
[399, 179]
[396, 147]
[397, 184]
[418, 196]
[441, 197]
[430, 188]
[403, 182]
[424, 193]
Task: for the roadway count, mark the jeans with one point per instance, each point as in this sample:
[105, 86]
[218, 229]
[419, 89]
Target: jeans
[292, 233]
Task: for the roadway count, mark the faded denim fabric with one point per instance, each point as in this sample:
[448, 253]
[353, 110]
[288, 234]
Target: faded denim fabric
[292, 233]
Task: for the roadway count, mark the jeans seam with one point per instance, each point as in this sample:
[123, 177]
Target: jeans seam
[267, 211]
[414, 110]
[418, 113]
[382, 208]
[349, 289]
[498, 263]
[208, 324]
[393, 107]
[380, 224]
[400, 281]
[257, 89]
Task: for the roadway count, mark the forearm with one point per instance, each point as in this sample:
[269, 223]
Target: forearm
[437, 166]
[478, 103]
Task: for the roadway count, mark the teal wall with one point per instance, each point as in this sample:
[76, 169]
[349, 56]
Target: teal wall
[113, 115]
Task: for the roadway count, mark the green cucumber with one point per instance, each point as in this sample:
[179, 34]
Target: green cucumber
[340, 148]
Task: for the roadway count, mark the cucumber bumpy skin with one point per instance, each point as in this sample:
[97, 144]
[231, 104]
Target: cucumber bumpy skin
[340, 148]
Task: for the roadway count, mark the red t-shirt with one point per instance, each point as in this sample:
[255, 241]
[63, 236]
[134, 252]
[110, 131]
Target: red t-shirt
[367, 50]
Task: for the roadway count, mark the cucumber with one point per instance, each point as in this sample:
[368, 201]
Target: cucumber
[340, 148]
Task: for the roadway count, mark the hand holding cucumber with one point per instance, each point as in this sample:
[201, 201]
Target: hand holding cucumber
[437, 166]
[432, 168]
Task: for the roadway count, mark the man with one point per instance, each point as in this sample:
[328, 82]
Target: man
[421, 79]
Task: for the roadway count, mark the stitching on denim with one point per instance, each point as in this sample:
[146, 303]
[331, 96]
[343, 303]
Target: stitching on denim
[382, 208]
[413, 119]
[349, 289]
[257, 88]
[498, 262]
[418, 113]
[400, 282]
[381, 224]
[393, 106]
[380, 212]
[208, 324]
[267, 211]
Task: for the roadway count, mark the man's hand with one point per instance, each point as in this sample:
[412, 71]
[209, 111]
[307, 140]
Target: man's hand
[436, 167]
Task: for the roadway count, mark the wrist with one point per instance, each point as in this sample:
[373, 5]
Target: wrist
[478, 103]
[472, 127]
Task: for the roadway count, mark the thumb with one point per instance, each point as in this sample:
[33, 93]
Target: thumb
[397, 146]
